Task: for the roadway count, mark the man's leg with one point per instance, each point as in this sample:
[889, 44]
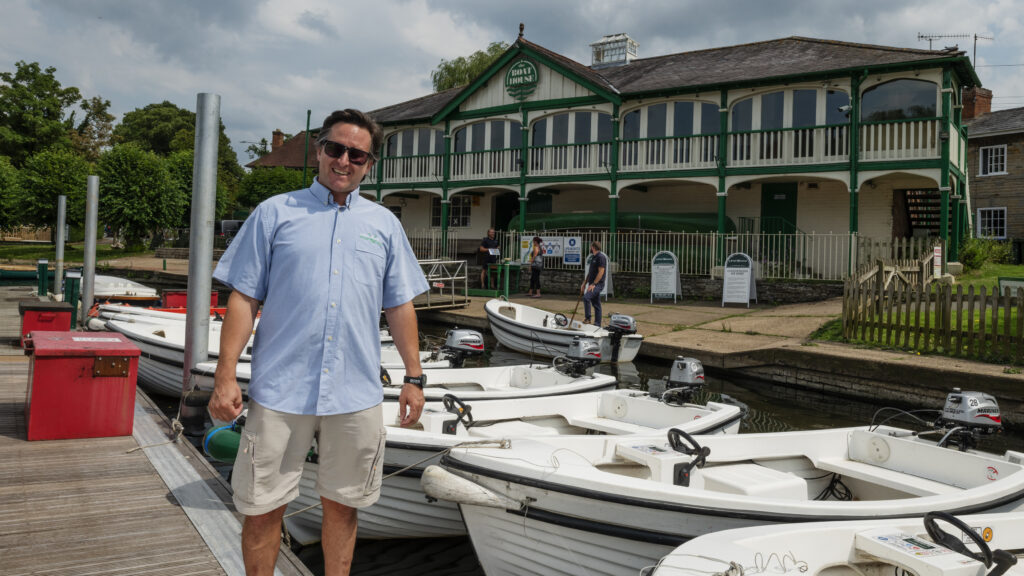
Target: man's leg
[261, 540]
[339, 537]
[586, 307]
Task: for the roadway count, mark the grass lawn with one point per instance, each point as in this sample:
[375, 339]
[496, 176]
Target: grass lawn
[73, 253]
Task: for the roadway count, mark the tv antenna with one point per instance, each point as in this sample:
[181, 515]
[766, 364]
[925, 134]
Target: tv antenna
[976, 37]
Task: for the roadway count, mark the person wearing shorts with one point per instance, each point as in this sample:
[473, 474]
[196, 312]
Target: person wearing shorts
[323, 262]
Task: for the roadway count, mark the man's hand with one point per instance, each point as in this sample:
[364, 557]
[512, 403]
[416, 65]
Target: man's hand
[410, 404]
[226, 401]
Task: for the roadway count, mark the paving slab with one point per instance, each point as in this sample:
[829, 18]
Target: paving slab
[787, 326]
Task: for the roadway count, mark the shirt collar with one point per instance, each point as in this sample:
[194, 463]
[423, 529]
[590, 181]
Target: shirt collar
[325, 197]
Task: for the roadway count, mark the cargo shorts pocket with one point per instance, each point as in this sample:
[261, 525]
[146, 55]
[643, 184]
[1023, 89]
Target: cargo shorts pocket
[245, 469]
[375, 475]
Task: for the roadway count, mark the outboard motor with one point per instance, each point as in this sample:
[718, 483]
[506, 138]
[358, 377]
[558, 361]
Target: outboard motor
[460, 343]
[619, 325]
[685, 379]
[966, 416]
[584, 353]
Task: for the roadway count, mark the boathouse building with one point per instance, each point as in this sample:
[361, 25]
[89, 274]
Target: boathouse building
[795, 136]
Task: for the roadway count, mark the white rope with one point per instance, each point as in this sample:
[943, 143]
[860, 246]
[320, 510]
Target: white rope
[504, 443]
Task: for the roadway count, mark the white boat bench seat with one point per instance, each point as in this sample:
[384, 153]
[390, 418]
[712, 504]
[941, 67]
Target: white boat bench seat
[607, 425]
[882, 476]
[660, 460]
[751, 479]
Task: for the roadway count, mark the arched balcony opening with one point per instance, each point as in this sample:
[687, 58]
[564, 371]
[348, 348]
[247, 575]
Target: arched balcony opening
[489, 149]
[670, 135]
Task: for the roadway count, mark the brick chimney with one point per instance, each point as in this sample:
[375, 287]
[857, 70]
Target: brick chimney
[977, 102]
[277, 139]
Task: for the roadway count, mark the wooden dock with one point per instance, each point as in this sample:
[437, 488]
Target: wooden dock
[94, 506]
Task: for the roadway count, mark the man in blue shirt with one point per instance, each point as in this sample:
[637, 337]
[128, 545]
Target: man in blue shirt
[594, 283]
[324, 262]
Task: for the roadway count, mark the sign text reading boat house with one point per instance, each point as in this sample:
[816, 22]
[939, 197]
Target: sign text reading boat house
[521, 79]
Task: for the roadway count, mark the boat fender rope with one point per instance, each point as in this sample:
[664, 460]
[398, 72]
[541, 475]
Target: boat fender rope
[503, 443]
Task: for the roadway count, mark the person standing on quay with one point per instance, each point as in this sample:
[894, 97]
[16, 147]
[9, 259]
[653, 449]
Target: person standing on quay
[594, 283]
[536, 266]
[487, 255]
[324, 262]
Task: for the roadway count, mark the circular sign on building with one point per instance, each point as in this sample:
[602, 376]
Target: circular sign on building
[521, 79]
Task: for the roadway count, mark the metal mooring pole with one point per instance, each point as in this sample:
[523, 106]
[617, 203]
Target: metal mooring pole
[200, 251]
[92, 204]
[58, 276]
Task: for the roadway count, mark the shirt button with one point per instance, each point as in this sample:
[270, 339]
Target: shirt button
[330, 338]
[325, 370]
[333, 304]
[338, 241]
[335, 272]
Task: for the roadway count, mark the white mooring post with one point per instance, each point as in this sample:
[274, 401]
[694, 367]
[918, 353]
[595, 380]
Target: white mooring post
[58, 276]
[92, 204]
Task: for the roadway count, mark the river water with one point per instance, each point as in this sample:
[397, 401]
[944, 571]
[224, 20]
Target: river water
[771, 408]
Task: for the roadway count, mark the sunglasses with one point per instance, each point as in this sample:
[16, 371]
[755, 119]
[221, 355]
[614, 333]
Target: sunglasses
[355, 155]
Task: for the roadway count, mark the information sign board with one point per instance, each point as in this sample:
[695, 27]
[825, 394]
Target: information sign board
[552, 246]
[738, 280]
[572, 250]
[665, 276]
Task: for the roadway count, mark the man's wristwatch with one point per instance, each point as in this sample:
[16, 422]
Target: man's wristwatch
[418, 381]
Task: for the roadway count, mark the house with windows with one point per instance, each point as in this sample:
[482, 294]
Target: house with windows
[815, 147]
[996, 168]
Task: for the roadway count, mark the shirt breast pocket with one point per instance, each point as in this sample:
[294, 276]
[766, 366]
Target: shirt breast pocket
[370, 261]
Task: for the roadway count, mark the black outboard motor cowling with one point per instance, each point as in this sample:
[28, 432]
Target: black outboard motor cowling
[619, 325]
[461, 343]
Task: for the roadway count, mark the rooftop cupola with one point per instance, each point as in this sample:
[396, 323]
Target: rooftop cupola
[613, 50]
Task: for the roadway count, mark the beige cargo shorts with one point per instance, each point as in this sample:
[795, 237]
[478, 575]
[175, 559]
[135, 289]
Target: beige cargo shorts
[273, 450]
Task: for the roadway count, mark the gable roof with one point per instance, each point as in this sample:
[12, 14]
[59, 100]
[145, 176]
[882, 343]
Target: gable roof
[743, 64]
[1009, 121]
[289, 154]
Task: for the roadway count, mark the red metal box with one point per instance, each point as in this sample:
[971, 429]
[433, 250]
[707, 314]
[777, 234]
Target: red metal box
[179, 298]
[80, 385]
[51, 316]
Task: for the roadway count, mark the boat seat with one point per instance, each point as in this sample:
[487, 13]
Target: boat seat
[885, 477]
[751, 479]
[607, 425]
[660, 460]
[512, 428]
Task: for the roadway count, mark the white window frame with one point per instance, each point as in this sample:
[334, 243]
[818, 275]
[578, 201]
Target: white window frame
[985, 165]
[995, 210]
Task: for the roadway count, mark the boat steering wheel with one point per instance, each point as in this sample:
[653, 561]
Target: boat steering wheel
[561, 321]
[955, 544]
[675, 440]
[462, 411]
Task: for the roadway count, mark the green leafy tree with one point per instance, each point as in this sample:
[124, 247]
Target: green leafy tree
[32, 111]
[165, 128]
[262, 183]
[258, 149]
[8, 185]
[462, 70]
[45, 176]
[138, 196]
[180, 166]
[92, 135]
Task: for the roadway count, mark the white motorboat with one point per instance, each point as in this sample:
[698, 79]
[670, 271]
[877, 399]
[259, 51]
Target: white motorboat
[404, 512]
[115, 289]
[606, 505]
[161, 341]
[936, 545]
[540, 333]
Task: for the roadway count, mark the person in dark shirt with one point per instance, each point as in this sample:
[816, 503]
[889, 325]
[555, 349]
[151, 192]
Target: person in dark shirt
[485, 257]
[594, 284]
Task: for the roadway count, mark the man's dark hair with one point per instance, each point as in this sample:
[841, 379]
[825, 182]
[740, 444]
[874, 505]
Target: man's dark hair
[596, 245]
[358, 118]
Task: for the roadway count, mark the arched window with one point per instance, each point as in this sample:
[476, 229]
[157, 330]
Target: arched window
[898, 100]
[490, 148]
[564, 140]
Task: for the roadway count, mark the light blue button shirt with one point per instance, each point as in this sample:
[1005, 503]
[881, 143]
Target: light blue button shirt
[323, 273]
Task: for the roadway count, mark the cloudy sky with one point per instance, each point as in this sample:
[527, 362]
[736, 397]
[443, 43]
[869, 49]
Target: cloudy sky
[271, 60]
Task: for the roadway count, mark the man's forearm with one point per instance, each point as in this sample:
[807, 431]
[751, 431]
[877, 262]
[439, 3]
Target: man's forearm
[237, 327]
[405, 330]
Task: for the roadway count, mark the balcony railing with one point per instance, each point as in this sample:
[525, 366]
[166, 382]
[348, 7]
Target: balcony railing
[879, 141]
[900, 139]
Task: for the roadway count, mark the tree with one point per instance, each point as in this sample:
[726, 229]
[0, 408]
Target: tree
[262, 183]
[92, 135]
[32, 111]
[462, 70]
[137, 194]
[165, 128]
[45, 176]
[8, 185]
[258, 149]
[180, 166]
